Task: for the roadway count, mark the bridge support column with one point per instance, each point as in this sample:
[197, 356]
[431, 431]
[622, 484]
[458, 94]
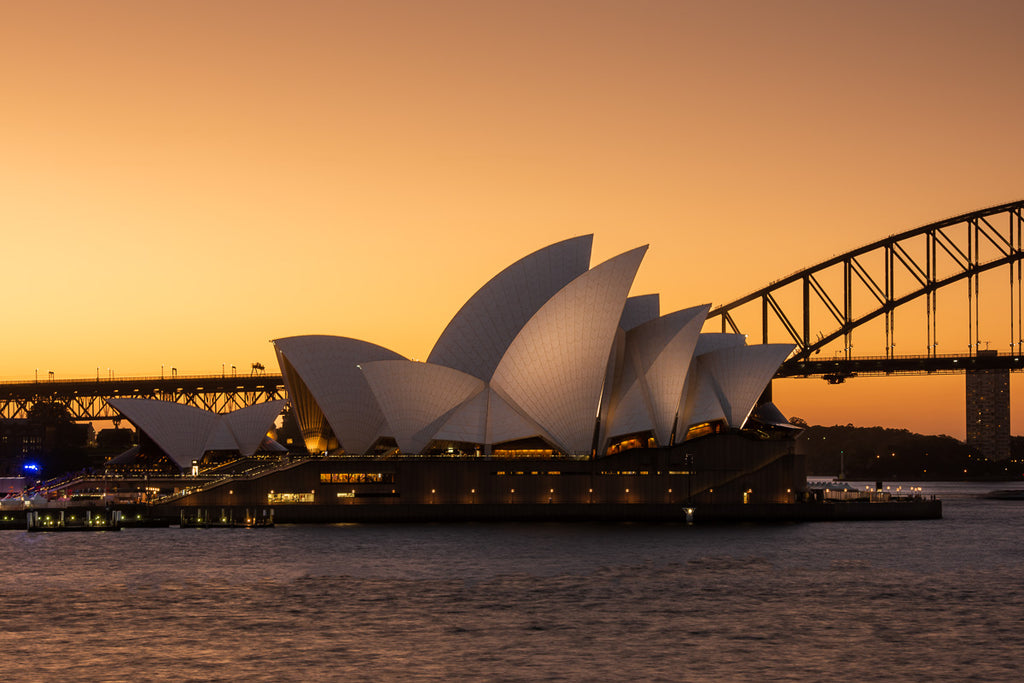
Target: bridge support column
[988, 413]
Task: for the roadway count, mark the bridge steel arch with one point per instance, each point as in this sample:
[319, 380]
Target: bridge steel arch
[956, 249]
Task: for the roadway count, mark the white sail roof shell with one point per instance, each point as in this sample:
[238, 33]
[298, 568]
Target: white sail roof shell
[712, 341]
[181, 431]
[505, 423]
[249, 425]
[221, 438]
[631, 413]
[701, 400]
[418, 397]
[741, 374]
[660, 352]
[271, 446]
[478, 336]
[554, 369]
[487, 419]
[640, 309]
[328, 368]
[468, 422]
[706, 343]
[185, 433]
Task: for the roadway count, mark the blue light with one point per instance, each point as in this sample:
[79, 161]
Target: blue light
[31, 467]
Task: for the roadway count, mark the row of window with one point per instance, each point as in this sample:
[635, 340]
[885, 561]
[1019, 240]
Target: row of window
[357, 477]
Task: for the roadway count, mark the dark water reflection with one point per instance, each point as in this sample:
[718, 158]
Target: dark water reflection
[934, 600]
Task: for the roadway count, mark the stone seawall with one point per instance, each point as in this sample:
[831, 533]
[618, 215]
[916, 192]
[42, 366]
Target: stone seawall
[597, 512]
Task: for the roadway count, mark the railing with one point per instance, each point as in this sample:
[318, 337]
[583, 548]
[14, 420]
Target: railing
[138, 378]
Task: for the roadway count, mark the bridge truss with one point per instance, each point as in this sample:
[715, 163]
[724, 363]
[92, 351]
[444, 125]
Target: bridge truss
[87, 399]
[842, 294]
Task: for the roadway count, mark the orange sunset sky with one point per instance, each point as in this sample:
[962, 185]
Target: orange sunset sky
[181, 182]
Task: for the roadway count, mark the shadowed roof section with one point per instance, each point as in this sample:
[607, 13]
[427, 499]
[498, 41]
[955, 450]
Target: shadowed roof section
[324, 383]
[740, 375]
[659, 352]
[249, 425]
[702, 402]
[478, 336]
[640, 309]
[418, 397]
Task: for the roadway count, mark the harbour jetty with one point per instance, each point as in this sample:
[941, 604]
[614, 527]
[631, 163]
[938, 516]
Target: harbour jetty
[63, 520]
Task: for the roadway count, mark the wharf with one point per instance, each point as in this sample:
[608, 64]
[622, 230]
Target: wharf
[60, 520]
[229, 518]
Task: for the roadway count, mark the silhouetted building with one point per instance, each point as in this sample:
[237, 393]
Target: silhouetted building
[21, 443]
[988, 412]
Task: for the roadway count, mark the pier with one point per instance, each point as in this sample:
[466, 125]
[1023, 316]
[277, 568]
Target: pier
[63, 520]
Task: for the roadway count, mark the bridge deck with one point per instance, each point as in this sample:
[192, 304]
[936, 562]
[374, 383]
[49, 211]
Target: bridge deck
[85, 399]
[840, 368]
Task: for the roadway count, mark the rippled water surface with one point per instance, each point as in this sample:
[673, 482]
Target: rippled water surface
[929, 600]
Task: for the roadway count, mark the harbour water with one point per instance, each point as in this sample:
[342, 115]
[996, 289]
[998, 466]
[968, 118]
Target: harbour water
[920, 601]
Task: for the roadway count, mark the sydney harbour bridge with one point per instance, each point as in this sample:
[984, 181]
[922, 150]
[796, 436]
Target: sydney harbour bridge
[901, 279]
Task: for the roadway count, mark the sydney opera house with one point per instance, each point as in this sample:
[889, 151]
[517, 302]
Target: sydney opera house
[550, 385]
[549, 357]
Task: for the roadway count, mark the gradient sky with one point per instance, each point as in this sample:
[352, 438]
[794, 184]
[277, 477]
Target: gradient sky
[181, 182]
